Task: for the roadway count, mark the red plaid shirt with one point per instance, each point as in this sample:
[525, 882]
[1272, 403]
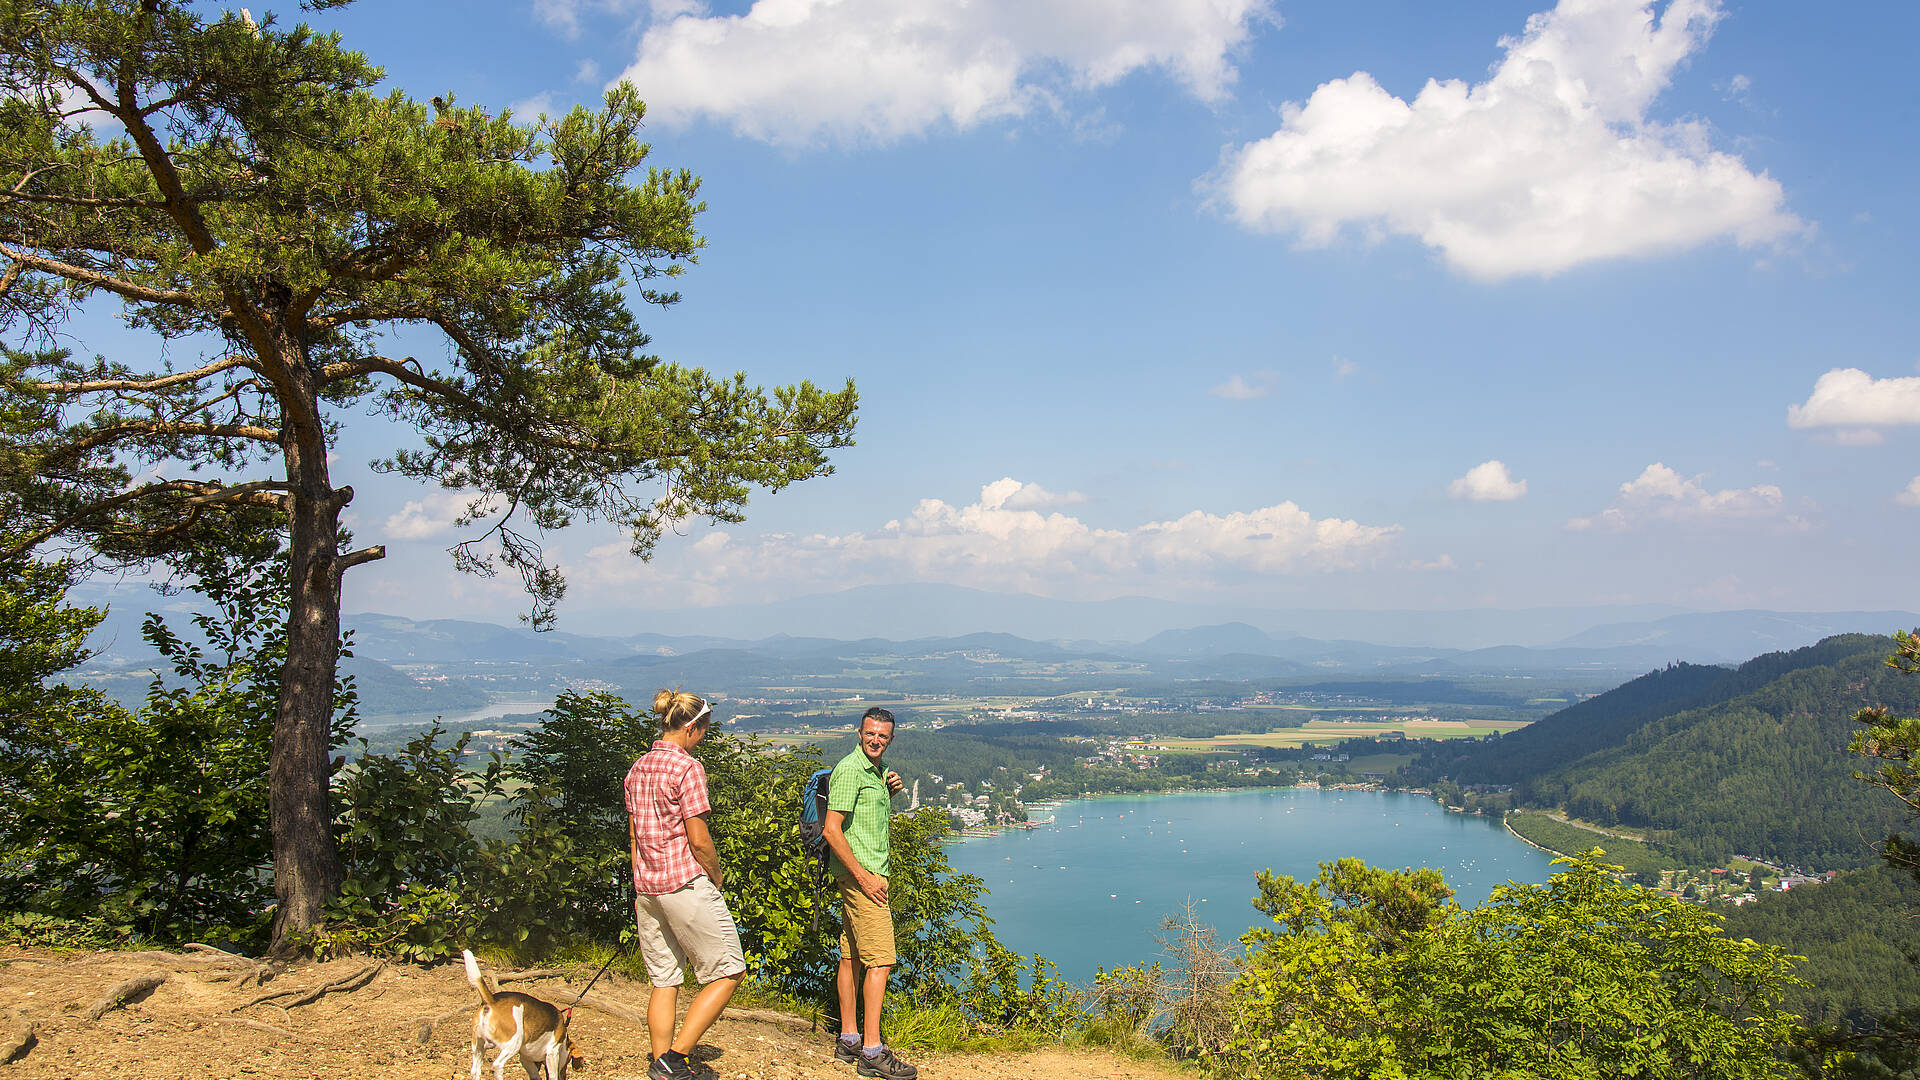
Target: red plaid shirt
[664, 788]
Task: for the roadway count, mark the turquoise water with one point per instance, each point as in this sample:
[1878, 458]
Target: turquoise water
[1091, 889]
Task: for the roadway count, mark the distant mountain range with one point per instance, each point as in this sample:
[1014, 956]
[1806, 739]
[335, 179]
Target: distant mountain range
[1594, 646]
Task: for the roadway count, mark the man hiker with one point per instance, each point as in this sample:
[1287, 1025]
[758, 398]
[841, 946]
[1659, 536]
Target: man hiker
[859, 796]
[682, 919]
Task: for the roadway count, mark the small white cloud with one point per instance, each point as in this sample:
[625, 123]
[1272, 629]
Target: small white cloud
[1241, 388]
[1488, 481]
[438, 512]
[1736, 89]
[1550, 163]
[1661, 494]
[529, 109]
[1344, 368]
[1010, 494]
[799, 72]
[1851, 398]
[1910, 496]
[587, 72]
[1444, 562]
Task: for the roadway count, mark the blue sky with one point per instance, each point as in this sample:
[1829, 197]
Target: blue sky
[1303, 304]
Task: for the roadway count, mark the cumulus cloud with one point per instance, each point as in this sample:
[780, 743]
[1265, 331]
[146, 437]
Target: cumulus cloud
[438, 512]
[1010, 494]
[1549, 163]
[1849, 398]
[1243, 388]
[1444, 562]
[1910, 496]
[800, 72]
[1489, 481]
[1661, 494]
[1006, 540]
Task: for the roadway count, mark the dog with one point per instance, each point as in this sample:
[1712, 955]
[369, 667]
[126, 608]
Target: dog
[519, 1024]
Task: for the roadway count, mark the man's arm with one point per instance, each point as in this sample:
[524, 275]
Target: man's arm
[833, 831]
[701, 841]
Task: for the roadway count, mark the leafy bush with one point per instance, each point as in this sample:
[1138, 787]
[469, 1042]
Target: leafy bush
[1371, 973]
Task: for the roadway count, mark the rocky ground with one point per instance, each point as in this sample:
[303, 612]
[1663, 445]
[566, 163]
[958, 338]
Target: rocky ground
[206, 1020]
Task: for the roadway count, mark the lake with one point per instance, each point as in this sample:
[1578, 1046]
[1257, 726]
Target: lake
[1091, 889]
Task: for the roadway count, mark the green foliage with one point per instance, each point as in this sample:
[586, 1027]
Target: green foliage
[1371, 973]
[1006, 991]
[155, 819]
[1857, 935]
[570, 772]
[33, 928]
[1894, 744]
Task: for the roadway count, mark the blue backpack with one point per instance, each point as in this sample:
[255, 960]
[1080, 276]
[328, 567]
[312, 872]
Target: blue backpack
[813, 815]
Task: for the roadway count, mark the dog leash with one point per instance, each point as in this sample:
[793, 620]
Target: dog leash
[611, 957]
[615, 955]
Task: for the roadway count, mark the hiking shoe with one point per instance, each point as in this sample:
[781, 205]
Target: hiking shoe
[885, 1066]
[662, 1070]
[845, 1051]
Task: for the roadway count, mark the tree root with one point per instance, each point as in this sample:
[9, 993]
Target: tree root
[258, 1026]
[19, 1040]
[523, 976]
[354, 981]
[126, 994]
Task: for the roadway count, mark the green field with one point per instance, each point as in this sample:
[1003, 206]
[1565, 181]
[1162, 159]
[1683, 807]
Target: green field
[1315, 732]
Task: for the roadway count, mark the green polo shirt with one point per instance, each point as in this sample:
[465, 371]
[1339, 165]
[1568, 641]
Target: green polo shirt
[859, 786]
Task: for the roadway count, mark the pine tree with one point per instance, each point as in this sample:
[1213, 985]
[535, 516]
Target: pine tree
[244, 196]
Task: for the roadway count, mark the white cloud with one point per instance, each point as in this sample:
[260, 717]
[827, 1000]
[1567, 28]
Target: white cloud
[1661, 494]
[1549, 163]
[1241, 388]
[1911, 495]
[1010, 494]
[1005, 541]
[1489, 481]
[436, 513]
[1344, 368]
[1444, 562]
[534, 107]
[1851, 398]
[800, 72]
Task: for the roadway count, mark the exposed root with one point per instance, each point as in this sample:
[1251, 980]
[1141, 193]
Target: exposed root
[126, 994]
[523, 976]
[19, 1040]
[242, 1021]
[354, 981]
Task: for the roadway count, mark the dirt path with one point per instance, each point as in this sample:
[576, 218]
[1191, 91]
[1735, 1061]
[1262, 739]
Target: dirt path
[189, 1028]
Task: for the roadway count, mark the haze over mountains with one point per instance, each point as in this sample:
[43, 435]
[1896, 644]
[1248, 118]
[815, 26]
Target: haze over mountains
[1629, 639]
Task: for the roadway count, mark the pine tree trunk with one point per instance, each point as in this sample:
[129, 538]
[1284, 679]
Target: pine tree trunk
[306, 863]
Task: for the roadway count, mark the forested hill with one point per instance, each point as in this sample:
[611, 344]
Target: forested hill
[1608, 720]
[1751, 762]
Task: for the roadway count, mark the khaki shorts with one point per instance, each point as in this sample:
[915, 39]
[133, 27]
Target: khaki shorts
[689, 926]
[866, 928]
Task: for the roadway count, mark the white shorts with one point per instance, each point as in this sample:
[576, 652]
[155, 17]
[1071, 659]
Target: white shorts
[689, 926]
